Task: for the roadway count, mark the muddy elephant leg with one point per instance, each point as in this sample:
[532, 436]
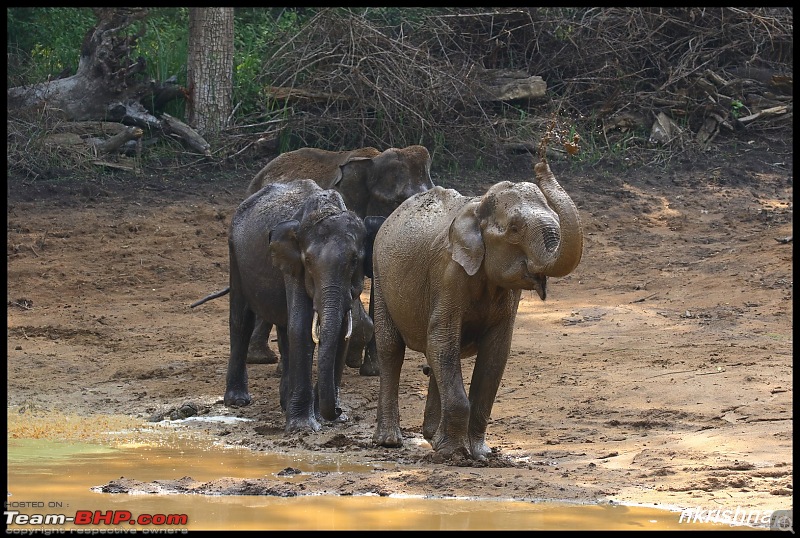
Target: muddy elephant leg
[444, 358]
[433, 410]
[283, 349]
[242, 320]
[259, 351]
[391, 352]
[451, 432]
[490, 364]
[297, 366]
[370, 365]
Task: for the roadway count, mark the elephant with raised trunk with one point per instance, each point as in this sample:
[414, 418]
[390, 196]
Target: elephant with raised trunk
[449, 271]
[297, 259]
[371, 182]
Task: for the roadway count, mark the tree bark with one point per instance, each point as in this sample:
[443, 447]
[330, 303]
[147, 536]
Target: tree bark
[210, 68]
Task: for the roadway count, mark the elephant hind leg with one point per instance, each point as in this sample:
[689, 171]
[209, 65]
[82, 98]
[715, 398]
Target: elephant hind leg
[370, 366]
[259, 351]
[242, 320]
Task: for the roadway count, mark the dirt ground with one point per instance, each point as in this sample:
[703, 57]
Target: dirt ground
[658, 373]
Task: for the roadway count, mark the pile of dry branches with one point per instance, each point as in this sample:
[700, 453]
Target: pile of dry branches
[347, 81]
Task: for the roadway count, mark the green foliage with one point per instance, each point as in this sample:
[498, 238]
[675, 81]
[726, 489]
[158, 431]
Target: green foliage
[258, 33]
[165, 43]
[45, 41]
[736, 108]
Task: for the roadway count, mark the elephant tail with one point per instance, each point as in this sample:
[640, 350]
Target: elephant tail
[214, 295]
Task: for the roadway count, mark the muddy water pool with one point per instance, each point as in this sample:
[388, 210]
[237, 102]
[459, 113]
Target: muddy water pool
[55, 465]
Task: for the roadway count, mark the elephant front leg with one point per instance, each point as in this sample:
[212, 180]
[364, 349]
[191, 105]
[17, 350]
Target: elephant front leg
[283, 347]
[241, 326]
[444, 357]
[450, 436]
[297, 367]
[391, 353]
[490, 364]
[433, 409]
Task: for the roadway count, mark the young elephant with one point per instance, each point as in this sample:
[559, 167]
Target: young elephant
[448, 274]
[371, 182]
[297, 259]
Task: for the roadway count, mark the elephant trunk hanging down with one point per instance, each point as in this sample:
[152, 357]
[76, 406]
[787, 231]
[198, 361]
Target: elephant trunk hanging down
[448, 273]
[297, 259]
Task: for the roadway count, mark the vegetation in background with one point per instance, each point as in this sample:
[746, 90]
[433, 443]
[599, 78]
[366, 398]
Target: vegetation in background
[345, 77]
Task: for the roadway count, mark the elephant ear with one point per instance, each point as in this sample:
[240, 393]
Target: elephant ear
[372, 224]
[359, 164]
[285, 248]
[464, 239]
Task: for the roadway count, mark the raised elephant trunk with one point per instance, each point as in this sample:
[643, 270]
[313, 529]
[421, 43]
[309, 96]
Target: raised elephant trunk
[330, 334]
[570, 247]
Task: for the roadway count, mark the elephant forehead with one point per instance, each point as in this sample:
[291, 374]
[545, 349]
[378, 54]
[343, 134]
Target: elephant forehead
[330, 224]
[520, 194]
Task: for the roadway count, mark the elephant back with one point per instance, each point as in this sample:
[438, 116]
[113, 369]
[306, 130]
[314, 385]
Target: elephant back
[320, 165]
[412, 229]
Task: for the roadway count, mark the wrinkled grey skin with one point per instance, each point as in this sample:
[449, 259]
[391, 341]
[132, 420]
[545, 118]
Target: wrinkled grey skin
[295, 250]
[371, 182]
[449, 271]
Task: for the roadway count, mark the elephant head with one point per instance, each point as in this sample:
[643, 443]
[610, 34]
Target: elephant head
[376, 185]
[520, 233]
[321, 251]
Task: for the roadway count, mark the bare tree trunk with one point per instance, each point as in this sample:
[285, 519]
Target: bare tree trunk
[210, 69]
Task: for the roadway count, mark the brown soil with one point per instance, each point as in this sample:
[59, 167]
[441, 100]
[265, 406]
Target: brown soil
[659, 372]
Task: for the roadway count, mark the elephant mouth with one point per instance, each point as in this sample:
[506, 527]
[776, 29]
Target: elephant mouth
[315, 327]
[537, 282]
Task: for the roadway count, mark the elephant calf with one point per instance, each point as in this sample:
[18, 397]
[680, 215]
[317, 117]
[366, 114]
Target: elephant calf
[371, 182]
[448, 274]
[297, 260]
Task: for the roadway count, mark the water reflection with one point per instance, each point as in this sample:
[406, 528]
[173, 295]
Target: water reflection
[60, 475]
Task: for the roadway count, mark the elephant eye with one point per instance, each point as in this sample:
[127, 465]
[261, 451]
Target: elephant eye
[513, 233]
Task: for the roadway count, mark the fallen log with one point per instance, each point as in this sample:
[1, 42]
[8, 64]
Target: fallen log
[113, 144]
[177, 128]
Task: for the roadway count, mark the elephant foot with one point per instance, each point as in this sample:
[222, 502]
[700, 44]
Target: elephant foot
[479, 449]
[341, 418]
[369, 368]
[302, 424]
[449, 448]
[234, 398]
[461, 454]
[260, 353]
[388, 437]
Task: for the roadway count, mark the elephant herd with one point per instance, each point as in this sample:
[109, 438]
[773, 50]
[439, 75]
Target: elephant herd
[446, 272]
